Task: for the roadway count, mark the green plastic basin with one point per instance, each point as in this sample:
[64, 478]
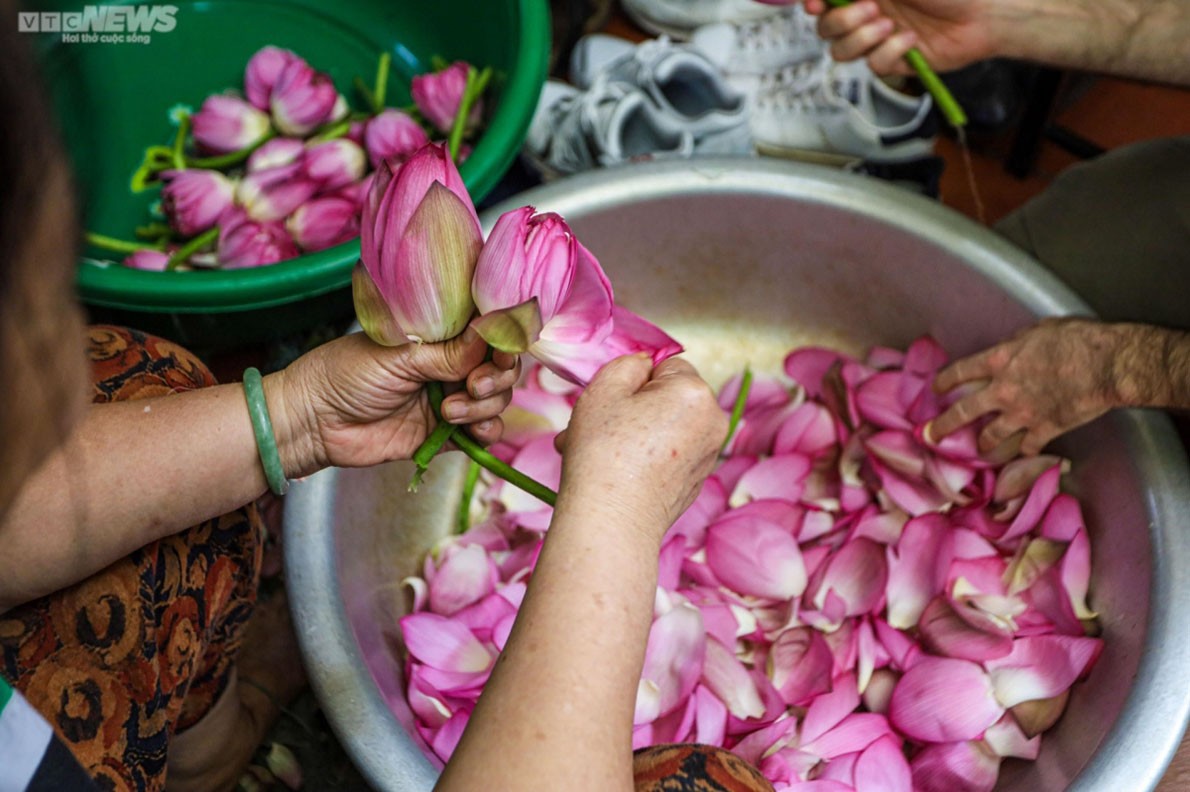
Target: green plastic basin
[113, 99]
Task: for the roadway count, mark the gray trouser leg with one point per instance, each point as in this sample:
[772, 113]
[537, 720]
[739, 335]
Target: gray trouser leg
[1117, 231]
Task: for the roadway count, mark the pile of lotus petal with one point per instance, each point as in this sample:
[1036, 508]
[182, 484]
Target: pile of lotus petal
[846, 605]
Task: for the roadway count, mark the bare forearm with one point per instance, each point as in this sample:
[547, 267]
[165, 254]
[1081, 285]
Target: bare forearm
[1152, 368]
[1147, 39]
[133, 472]
[557, 712]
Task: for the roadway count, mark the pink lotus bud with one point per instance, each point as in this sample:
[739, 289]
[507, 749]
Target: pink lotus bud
[438, 94]
[335, 163]
[262, 72]
[357, 192]
[227, 123]
[195, 199]
[273, 193]
[275, 153]
[244, 242]
[540, 291]
[393, 135]
[323, 222]
[420, 238]
[147, 259]
[302, 99]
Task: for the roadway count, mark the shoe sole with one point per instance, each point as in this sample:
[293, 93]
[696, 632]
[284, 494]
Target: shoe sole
[809, 155]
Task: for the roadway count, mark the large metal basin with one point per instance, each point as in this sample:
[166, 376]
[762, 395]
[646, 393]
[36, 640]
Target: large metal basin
[741, 260]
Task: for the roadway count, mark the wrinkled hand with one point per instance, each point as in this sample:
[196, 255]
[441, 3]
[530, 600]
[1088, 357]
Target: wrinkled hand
[950, 33]
[641, 440]
[1045, 381]
[354, 403]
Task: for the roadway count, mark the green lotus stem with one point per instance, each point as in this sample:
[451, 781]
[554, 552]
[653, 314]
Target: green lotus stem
[945, 100]
[947, 104]
[504, 470]
[478, 453]
[473, 471]
[332, 131]
[363, 90]
[183, 253]
[117, 245]
[229, 159]
[737, 409]
[381, 90]
[477, 82]
[153, 231]
[179, 159]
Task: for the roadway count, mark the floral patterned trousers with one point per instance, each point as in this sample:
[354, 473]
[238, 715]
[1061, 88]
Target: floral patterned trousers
[123, 660]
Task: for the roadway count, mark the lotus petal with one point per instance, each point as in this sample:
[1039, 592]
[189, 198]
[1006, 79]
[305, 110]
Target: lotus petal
[1044, 490]
[446, 739]
[944, 632]
[755, 556]
[854, 733]
[884, 398]
[809, 429]
[1035, 717]
[882, 767]
[707, 507]
[727, 678]
[465, 576]
[878, 693]
[1006, 739]
[710, 717]
[444, 644]
[767, 740]
[372, 311]
[917, 568]
[943, 700]
[903, 651]
[1041, 667]
[764, 392]
[955, 767]
[673, 661]
[779, 477]
[914, 495]
[800, 665]
[898, 451]
[829, 709]
[1031, 561]
[857, 572]
[513, 329]
[808, 366]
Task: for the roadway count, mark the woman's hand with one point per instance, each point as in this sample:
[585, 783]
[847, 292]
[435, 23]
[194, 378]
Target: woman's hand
[641, 441]
[354, 403]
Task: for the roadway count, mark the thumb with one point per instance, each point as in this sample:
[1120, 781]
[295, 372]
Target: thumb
[624, 375]
[447, 361]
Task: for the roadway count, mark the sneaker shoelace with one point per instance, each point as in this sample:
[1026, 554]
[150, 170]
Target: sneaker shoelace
[795, 78]
[777, 31]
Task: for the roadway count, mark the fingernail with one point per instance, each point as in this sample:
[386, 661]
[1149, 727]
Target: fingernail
[927, 432]
[483, 426]
[453, 411]
[484, 386]
[469, 335]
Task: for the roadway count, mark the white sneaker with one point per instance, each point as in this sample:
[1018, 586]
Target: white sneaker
[608, 124]
[842, 113]
[677, 18]
[746, 51]
[688, 91]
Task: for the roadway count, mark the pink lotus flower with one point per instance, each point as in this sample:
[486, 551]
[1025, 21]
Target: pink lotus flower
[195, 199]
[244, 242]
[275, 153]
[420, 238]
[438, 94]
[263, 71]
[540, 291]
[335, 163]
[302, 99]
[323, 222]
[226, 123]
[147, 259]
[273, 193]
[393, 134]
